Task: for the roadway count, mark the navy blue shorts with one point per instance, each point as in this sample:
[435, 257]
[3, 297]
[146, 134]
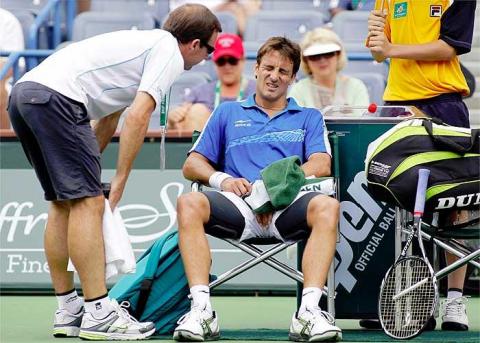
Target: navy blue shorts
[57, 138]
[448, 107]
[226, 221]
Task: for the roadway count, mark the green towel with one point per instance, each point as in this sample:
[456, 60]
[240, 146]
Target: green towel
[283, 180]
[280, 184]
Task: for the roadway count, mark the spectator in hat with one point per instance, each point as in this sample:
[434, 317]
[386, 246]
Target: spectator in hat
[231, 85]
[323, 57]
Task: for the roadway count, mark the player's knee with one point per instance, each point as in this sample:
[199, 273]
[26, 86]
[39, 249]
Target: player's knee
[324, 209]
[191, 204]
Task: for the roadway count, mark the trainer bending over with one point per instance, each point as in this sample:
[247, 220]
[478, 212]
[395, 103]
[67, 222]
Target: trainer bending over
[240, 139]
[50, 110]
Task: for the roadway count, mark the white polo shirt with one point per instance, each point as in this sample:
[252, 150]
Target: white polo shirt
[106, 71]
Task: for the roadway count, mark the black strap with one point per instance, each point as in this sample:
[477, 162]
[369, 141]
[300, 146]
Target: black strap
[443, 142]
[145, 289]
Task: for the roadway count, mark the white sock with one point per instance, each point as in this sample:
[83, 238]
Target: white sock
[454, 293]
[70, 301]
[201, 297]
[99, 307]
[310, 299]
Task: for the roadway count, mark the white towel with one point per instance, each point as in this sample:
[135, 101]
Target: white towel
[119, 257]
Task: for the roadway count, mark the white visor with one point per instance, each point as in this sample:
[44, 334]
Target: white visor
[319, 48]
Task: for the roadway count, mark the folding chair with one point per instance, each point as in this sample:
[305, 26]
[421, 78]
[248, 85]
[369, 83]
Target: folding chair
[447, 238]
[251, 247]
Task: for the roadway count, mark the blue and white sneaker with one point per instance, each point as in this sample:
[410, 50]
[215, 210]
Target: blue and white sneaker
[66, 324]
[197, 326]
[314, 326]
[119, 325]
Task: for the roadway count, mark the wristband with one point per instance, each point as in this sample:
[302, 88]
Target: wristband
[217, 178]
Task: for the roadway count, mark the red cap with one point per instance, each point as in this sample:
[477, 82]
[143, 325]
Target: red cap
[228, 44]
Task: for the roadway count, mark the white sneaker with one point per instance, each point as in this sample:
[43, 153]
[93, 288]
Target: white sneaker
[455, 314]
[313, 326]
[197, 325]
[66, 324]
[118, 325]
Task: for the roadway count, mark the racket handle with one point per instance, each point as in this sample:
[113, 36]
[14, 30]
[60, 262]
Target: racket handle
[423, 175]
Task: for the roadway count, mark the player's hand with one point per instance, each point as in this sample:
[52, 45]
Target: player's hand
[239, 186]
[376, 22]
[264, 219]
[380, 45]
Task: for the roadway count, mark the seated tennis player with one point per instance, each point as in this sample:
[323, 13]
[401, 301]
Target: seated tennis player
[239, 140]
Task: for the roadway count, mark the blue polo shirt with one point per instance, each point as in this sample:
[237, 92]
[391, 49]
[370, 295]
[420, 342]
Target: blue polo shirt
[241, 139]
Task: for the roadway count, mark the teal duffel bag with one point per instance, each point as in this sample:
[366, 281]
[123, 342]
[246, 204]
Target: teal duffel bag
[158, 291]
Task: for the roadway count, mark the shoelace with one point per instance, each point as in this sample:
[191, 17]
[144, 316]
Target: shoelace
[318, 312]
[123, 311]
[187, 315]
[455, 307]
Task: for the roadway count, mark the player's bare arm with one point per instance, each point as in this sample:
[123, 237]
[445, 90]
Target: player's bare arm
[318, 165]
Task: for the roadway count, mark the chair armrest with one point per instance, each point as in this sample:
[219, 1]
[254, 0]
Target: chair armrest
[196, 186]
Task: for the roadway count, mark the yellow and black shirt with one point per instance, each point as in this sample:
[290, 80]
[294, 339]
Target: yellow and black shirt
[421, 22]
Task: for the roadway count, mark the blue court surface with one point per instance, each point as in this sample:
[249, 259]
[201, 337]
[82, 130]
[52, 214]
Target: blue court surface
[244, 319]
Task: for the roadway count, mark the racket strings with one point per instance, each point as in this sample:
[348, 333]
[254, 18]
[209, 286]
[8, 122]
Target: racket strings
[407, 315]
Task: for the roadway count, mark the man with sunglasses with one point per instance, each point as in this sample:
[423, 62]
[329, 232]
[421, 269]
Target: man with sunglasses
[231, 85]
[50, 109]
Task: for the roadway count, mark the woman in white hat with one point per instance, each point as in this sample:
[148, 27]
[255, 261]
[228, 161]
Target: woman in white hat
[323, 56]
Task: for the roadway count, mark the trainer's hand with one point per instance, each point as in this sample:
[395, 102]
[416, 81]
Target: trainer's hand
[239, 186]
[380, 45]
[264, 219]
[116, 192]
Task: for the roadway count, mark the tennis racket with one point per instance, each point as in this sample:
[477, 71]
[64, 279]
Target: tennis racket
[409, 293]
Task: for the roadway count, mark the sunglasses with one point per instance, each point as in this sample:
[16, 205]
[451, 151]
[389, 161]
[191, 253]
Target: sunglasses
[224, 60]
[328, 55]
[210, 49]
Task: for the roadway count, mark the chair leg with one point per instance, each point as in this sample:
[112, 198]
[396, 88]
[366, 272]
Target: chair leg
[399, 224]
[331, 289]
[449, 248]
[272, 262]
[248, 264]
[457, 264]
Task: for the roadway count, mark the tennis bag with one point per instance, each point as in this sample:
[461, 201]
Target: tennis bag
[451, 153]
[158, 291]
